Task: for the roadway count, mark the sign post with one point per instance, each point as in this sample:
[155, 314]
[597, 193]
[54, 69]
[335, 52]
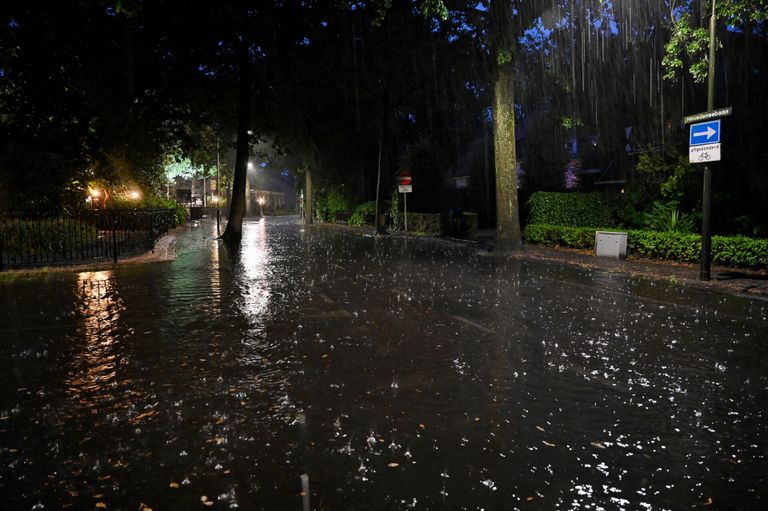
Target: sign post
[405, 187]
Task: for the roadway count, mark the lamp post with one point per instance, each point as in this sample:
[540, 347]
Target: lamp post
[261, 206]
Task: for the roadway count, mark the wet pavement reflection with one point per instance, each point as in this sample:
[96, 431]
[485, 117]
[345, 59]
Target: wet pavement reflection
[397, 374]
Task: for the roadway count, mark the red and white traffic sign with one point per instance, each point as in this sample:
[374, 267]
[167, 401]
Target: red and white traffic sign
[404, 181]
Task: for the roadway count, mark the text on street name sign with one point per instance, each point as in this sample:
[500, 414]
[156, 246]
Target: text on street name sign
[704, 116]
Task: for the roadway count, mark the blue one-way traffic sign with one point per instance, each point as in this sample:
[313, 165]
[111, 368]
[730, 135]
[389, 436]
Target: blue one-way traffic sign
[705, 133]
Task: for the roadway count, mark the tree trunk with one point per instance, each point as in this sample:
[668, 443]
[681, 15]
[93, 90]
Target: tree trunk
[308, 217]
[508, 235]
[234, 230]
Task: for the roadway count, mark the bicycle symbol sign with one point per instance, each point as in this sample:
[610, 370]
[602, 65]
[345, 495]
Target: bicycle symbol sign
[704, 153]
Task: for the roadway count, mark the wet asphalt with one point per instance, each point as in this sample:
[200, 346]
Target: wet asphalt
[396, 373]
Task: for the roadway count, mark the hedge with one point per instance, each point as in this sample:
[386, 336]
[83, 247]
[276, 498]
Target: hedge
[571, 209]
[737, 251]
[426, 224]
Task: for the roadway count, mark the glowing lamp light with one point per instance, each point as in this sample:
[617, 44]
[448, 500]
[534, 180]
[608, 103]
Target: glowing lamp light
[135, 195]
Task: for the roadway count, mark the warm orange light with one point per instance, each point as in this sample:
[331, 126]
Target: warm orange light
[135, 195]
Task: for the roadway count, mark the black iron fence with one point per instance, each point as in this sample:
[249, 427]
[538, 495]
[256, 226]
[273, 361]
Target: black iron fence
[28, 239]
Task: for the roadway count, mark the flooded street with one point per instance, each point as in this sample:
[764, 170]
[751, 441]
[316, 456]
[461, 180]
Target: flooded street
[397, 374]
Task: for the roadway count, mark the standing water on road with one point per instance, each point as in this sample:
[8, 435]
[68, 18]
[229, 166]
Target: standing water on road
[397, 374]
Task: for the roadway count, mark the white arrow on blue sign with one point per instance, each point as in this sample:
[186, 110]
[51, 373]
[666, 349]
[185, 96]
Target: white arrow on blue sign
[705, 133]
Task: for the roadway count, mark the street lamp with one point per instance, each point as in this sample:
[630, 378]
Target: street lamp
[135, 195]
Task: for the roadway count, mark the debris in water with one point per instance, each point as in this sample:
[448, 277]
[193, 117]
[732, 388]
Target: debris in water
[548, 444]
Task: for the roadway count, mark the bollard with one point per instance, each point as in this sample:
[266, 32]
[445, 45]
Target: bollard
[304, 492]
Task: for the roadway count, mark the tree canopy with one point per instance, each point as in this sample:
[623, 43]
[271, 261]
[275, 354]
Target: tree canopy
[111, 90]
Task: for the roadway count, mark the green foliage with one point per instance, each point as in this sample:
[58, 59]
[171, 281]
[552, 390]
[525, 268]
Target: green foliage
[736, 251]
[686, 42]
[395, 214]
[691, 44]
[571, 209]
[434, 8]
[179, 211]
[666, 217]
[504, 56]
[426, 224]
[329, 202]
[672, 246]
[740, 251]
[44, 237]
[671, 171]
[560, 236]
[360, 216]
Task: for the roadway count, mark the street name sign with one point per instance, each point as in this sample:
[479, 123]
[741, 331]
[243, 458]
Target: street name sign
[405, 188]
[705, 133]
[705, 116]
[704, 153]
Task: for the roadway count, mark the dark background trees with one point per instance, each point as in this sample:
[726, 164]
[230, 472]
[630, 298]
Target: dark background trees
[108, 90]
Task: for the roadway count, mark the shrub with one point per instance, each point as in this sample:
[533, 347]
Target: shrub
[573, 237]
[738, 251]
[426, 224]
[667, 217]
[328, 203]
[665, 245]
[569, 209]
[45, 236]
[360, 216]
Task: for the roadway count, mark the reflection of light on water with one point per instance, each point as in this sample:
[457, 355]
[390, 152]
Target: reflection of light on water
[216, 277]
[94, 368]
[255, 260]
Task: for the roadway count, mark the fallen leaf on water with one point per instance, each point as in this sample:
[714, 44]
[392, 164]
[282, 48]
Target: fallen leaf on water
[98, 496]
[144, 507]
[548, 444]
[708, 502]
[477, 419]
[205, 501]
[302, 494]
[529, 499]
[393, 465]
[422, 426]
[597, 445]
[540, 429]
[174, 485]
[101, 505]
[325, 355]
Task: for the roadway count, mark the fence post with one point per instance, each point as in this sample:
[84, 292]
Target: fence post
[114, 237]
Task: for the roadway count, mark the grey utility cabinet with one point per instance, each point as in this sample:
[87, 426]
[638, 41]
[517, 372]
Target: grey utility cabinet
[611, 244]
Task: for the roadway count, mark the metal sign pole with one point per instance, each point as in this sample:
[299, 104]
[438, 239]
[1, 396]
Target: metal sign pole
[706, 233]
